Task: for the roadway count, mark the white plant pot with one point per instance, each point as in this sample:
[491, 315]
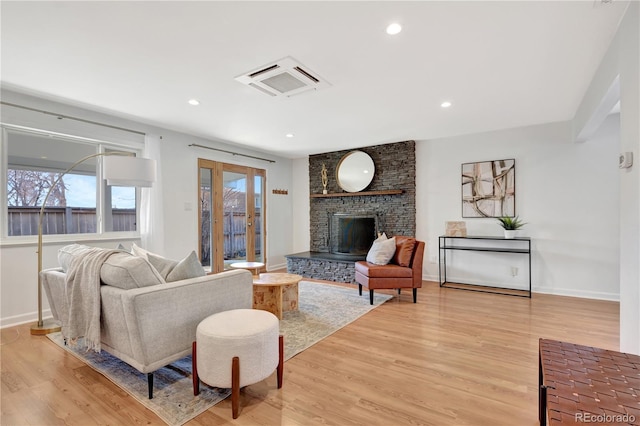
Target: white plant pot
[510, 233]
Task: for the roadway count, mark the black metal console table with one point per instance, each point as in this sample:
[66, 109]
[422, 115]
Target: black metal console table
[514, 245]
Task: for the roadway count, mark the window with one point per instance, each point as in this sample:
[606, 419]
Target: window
[80, 201]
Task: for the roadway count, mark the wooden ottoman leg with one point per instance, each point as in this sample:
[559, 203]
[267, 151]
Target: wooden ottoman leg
[235, 386]
[280, 360]
[194, 369]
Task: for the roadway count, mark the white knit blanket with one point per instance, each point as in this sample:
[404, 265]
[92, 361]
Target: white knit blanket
[83, 297]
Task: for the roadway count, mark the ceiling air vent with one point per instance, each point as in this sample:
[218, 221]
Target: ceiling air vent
[285, 77]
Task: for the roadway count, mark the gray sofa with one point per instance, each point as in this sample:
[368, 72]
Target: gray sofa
[152, 326]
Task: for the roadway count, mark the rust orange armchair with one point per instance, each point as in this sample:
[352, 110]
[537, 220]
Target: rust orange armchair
[403, 271]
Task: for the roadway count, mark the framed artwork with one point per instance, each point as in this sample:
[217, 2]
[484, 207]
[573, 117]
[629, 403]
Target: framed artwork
[489, 189]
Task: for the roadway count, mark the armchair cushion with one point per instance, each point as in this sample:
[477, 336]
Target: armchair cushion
[383, 271]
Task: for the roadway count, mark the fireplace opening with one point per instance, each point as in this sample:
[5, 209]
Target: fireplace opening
[352, 234]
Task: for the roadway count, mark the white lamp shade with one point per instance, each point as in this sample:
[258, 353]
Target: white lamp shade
[129, 171]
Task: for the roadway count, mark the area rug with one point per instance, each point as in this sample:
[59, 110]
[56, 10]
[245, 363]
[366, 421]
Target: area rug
[323, 310]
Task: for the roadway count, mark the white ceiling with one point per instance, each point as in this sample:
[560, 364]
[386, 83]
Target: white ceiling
[502, 64]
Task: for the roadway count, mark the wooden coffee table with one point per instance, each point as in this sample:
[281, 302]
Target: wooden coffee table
[276, 292]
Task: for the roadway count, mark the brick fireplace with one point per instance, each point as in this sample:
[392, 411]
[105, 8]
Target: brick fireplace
[395, 166]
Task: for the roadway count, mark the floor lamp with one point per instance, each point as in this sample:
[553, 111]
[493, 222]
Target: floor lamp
[119, 168]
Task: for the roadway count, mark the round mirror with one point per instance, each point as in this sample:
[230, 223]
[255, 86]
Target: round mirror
[355, 171]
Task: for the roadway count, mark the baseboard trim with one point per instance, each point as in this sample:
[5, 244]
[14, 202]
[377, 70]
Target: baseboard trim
[276, 267]
[556, 291]
[24, 318]
[585, 294]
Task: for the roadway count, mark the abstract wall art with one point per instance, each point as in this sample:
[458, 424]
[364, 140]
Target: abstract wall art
[489, 188]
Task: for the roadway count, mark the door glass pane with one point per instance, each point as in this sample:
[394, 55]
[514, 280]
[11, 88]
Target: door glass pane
[205, 218]
[234, 205]
[257, 220]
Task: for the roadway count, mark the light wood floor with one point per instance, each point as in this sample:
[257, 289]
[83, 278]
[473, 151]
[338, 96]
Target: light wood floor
[454, 358]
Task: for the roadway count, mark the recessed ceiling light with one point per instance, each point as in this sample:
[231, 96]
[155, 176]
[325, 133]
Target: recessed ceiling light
[289, 135]
[194, 102]
[394, 28]
[445, 104]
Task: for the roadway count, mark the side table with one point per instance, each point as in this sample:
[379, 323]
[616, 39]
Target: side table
[276, 292]
[253, 267]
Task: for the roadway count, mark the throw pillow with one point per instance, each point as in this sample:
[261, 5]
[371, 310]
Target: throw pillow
[189, 267]
[126, 271]
[404, 250]
[121, 247]
[172, 270]
[381, 251]
[139, 251]
[162, 264]
[67, 253]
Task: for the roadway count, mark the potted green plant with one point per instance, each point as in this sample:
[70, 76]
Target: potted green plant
[510, 225]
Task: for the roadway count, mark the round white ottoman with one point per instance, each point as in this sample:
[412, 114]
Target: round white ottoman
[237, 348]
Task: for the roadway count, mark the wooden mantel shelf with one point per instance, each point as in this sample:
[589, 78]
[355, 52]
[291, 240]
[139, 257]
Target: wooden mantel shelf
[357, 194]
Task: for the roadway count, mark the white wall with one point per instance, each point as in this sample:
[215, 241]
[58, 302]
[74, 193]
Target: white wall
[180, 168]
[627, 44]
[566, 192]
[18, 263]
[301, 205]
[622, 61]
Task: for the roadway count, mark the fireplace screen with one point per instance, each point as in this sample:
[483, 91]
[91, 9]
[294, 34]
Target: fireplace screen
[352, 235]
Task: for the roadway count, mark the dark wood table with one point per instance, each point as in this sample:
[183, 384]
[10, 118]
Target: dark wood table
[582, 384]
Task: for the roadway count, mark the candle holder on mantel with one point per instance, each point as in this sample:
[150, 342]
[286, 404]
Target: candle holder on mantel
[325, 178]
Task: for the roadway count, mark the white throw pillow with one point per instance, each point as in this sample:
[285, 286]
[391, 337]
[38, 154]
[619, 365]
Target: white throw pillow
[163, 265]
[172, 270]
[382, 251]
[122, 270]
[139, 251]
[189, 267]
[126, 271]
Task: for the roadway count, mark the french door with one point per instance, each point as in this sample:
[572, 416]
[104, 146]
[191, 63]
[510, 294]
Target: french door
[231, 216]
